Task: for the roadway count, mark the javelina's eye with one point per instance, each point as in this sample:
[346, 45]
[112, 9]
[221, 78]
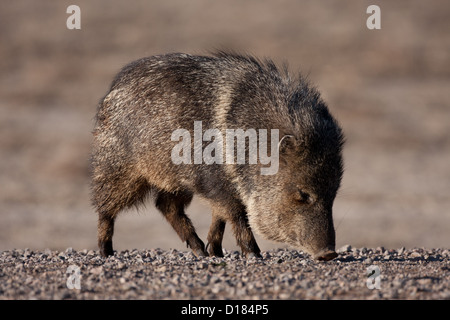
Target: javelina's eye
[303, 197]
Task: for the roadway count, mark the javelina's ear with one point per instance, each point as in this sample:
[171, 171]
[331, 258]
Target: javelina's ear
[287, 143]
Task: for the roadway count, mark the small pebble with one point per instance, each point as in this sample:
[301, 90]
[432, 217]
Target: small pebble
[345, 248]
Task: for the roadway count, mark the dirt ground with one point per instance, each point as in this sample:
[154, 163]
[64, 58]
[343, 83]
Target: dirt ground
[281, 274]
[389, 88]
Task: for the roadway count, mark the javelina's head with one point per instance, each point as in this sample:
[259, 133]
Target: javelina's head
[294, 206]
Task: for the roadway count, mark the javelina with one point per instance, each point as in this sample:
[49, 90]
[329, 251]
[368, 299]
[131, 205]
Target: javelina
[152, 97]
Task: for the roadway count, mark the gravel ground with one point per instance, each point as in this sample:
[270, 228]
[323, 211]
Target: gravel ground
[171, 274]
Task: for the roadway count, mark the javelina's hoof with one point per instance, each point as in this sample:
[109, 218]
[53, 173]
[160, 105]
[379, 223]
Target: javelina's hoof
[106, 249]
[199, 253]
[214, 250]
[197, 246]
[326, 255]
[199, 249]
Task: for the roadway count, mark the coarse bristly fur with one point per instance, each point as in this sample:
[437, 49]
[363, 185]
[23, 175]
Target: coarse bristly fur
[153, 96]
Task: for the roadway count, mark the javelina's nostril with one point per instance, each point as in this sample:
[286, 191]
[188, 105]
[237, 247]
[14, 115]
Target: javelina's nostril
[326, 255]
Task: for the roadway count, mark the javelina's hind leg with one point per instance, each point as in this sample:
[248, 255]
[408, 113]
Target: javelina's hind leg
[172, 206]
[105, 233]
[110, 195]
[215, 236]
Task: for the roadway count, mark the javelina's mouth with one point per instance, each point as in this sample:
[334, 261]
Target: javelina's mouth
[325, 255]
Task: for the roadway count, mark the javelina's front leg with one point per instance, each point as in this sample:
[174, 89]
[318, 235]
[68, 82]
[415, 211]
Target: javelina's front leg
[244, 236]
[215, 236]
[237, 215]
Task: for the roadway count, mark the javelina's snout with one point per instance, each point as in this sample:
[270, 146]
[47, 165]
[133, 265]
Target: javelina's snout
[325, 255]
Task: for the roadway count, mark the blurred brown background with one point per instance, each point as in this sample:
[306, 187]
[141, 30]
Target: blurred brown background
[389, 88]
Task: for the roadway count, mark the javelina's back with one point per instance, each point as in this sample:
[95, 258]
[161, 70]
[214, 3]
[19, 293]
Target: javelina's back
[152, 97]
